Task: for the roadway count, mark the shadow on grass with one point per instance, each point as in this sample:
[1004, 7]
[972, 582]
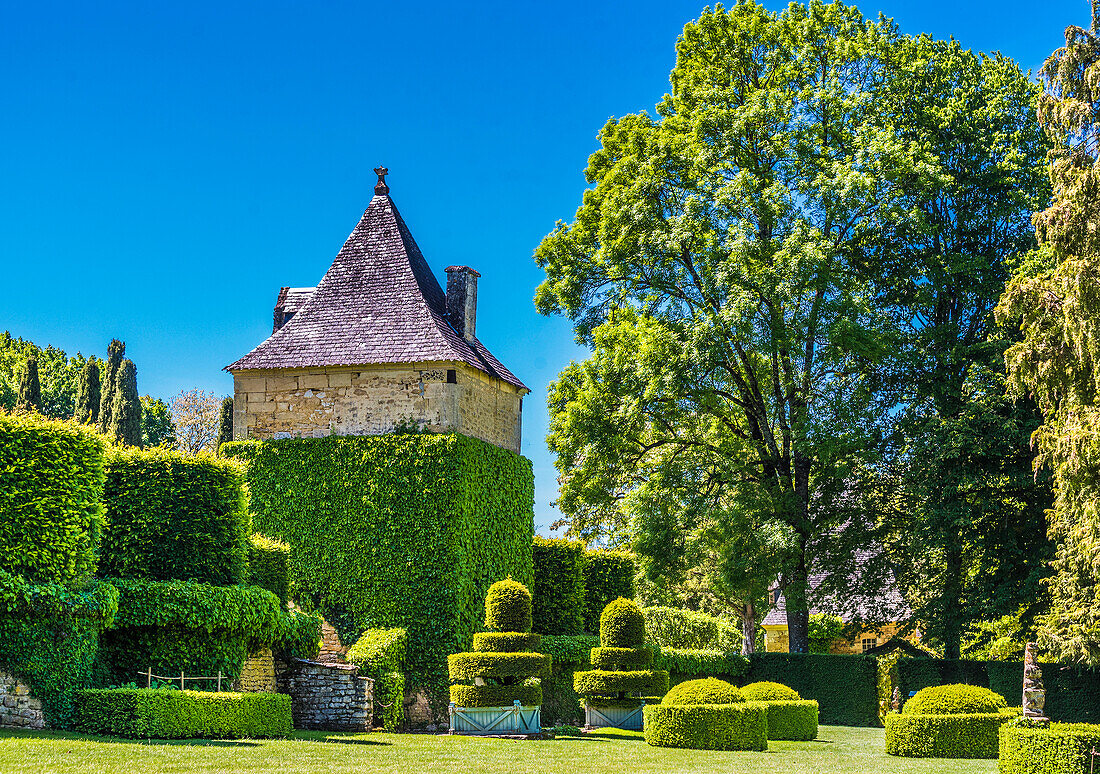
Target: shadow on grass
[72, 736]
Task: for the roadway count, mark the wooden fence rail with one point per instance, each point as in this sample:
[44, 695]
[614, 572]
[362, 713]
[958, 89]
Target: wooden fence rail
[150, 677]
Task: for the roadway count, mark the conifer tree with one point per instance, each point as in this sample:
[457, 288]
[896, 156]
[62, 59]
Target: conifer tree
[115, 352]
[225, 422]
[30, 388]
[126, 407]
[88, 394]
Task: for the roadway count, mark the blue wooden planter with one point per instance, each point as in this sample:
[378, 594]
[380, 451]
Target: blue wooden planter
[493, 721]
[626, 718]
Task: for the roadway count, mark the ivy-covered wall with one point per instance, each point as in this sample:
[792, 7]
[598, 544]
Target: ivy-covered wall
[402, 530]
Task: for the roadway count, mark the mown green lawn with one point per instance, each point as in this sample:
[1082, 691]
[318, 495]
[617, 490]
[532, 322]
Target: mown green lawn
[840, 750]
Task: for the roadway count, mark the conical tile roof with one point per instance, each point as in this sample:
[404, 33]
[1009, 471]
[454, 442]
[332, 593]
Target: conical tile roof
[378, 303]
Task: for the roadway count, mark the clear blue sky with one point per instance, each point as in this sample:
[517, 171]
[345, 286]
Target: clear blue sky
[167, 166]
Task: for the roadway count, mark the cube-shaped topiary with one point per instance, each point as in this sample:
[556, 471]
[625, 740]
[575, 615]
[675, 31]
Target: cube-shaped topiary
[948, 721]
[707, 714]
[620, 678]
[789, 717]
[504, 666]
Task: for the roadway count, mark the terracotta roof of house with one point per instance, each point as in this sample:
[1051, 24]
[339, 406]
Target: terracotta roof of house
[378, 303]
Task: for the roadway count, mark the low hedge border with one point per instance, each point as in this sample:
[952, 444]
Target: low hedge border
[792, 721]
[1063, 748]
[648, 682]
[471, 665]
[742, 726]
[613, 659]
[507, 642]
[528, 695]
[945, 736]
[142, 713]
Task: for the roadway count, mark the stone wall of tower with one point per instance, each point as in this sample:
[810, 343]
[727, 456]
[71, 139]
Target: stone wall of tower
[367, 400]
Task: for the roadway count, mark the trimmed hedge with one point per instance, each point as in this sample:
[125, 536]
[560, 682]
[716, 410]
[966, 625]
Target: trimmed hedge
[559, 586]
[683, 663]
[608, 575]
[954, 700]
[527, 694]
[469, 665]
[51, 510]
[403, 530]
[792, 720]
[622, 625]
[1073, 693]
[845, 687]
[742, 726]
[706, 691]
[142, 713]
[196, 628]
[971, 735]
[508, 607]
[1062, 748]
[380, 654]
[172, 516]
[647, 682]
[768, 691]
[49, 636]
[621, 658]
[507, 642]
[672, 627]
[269, 565]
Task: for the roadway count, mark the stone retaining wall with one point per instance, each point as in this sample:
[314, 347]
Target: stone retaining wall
[18, 709]
[257, 674]
[328, 697]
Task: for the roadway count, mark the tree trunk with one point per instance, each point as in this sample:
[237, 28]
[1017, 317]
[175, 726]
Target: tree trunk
[952, 602]
[797, 588]
[748, 629]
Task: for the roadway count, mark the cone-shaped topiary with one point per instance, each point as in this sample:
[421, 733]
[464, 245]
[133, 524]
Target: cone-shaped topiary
[508, 607]
[504, 666]
[620, 678]
[709, 690]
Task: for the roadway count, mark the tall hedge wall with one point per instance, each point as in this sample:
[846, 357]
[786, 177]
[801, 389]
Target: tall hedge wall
[845, 687]
[1073, 694]
[171, 516]
[558, 590]
[50, 509]
[608, 575]
[400, 530]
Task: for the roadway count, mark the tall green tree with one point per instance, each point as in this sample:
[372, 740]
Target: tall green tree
[126, 407]
[88, 394]
[157, 428]
[30, 389]
[1056, 299]
[58, 375]
[225, 422]
[728, 270]
[116, 350]
[962, 518]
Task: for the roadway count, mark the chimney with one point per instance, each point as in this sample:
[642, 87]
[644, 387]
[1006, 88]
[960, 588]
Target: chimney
[462, 300]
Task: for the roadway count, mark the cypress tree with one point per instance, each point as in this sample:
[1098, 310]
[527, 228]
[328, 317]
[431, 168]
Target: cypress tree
[30, 388]
[87, 394]
[126, 407]
[225, 422]
[115, 350]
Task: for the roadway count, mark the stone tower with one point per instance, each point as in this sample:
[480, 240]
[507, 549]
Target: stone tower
[376, 345]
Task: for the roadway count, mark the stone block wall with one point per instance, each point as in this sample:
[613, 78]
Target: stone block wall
[328, 697]
[368, 400]
[18, 709]
[257, 674]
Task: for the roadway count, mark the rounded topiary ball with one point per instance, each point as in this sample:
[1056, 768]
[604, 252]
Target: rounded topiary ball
[508, 607]
[707, 691]
[766, 691]
[622, 625]
[954, 700]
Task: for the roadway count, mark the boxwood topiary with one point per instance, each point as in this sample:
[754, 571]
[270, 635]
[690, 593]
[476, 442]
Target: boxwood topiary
[169, 714]
[468, 666]
[621, 658]
[508, 607]
[528, 694]
[769, 691]
[507, 642]
[650, 682]
[954, 700]
[973, 735]
[708, 690]
[1063, 748]
[737, 726]
[622, 625]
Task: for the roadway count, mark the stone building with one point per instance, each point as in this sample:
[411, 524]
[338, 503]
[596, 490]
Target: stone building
[376, 345]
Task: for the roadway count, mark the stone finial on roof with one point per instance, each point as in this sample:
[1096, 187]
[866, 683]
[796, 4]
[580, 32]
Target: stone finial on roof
[380, 188]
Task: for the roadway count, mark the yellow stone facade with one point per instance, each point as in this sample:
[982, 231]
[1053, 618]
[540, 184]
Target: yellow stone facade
[777, 640]
[368, 400]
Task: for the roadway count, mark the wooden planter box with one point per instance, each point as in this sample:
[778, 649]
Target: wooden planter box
[496, 721]
[626, 718]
